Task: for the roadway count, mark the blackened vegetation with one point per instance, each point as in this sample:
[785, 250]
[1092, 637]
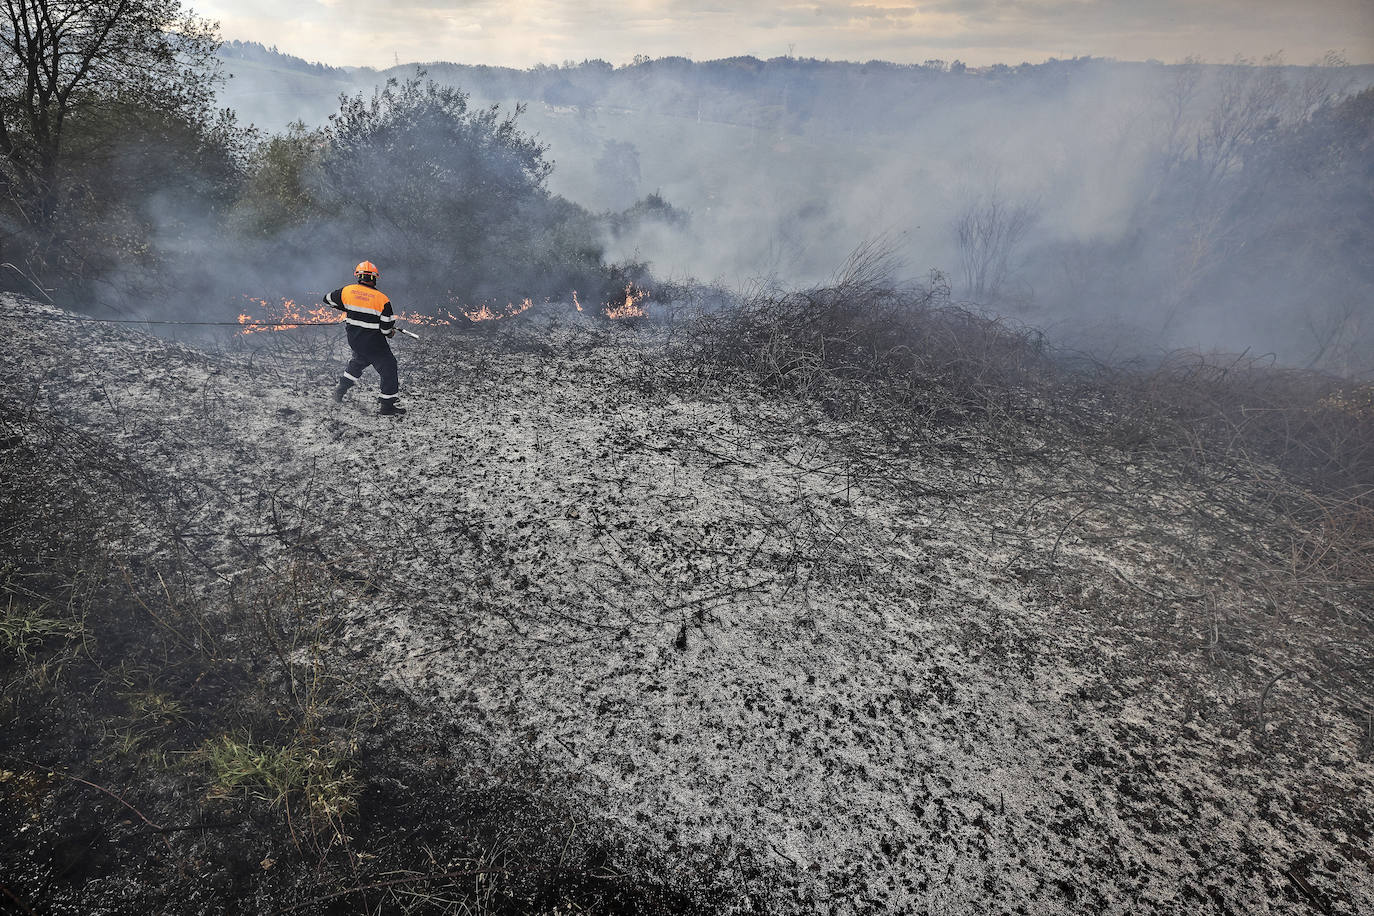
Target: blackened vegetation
[1257, 460]
[841, 344]
[866, 340]
[165, 754]
[176, 751]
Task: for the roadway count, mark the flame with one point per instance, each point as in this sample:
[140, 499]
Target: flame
[290, 315]
[630, 307]
[429, 321]
[486, 313]
[285, 316]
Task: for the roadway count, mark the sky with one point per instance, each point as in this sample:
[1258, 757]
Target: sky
[522, 33]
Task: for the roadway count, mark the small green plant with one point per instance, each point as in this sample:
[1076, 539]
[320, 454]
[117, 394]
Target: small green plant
[152, 716]
[128, 741]
[27, 625]
[155, 708]
[302, 774]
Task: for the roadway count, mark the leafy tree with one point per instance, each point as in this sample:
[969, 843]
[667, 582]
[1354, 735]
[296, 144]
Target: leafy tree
[414, 157]
[617, 173]
[80, 80]
[145, 189]
[650, 209]
[278, 192]
[457, 196]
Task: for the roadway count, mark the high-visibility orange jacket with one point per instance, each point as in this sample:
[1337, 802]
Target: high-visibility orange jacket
[363, 307]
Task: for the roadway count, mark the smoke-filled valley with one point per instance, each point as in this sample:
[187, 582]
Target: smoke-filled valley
[826, 487]
[1126, 208]
[1129, 209]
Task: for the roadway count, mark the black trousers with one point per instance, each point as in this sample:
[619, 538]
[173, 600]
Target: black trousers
[370, 348]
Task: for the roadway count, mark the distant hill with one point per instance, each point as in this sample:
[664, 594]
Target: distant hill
[254, 52]
[787, 92]
[271, 89]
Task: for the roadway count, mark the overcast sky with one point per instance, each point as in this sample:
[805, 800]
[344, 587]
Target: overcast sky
[521, 33]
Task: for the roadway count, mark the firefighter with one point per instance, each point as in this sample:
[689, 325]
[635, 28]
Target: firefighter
[367, 312]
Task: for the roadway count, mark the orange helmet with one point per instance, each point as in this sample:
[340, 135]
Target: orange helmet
[367, 271]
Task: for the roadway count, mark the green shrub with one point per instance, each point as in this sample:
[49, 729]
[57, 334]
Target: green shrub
[27, 625]
[301, 776]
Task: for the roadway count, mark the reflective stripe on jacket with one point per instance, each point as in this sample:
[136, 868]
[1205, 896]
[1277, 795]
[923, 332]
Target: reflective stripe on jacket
[363, 306]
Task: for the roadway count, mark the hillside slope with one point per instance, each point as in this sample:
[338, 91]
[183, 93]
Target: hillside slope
[822, 664]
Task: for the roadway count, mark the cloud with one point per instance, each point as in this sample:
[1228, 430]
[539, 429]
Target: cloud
[525, 32]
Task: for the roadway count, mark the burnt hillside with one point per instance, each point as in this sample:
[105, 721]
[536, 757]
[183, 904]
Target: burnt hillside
[791, 609]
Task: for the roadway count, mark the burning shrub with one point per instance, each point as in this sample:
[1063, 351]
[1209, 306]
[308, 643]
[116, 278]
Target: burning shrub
[628, 307]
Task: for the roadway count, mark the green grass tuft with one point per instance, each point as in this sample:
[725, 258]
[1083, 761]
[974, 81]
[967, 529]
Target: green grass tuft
[301, 773]
[27, 625]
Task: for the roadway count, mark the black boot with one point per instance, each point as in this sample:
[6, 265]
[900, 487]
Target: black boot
[389, 408]
[341, 389]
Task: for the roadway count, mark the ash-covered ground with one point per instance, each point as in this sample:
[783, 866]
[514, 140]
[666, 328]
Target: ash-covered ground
[824, 665]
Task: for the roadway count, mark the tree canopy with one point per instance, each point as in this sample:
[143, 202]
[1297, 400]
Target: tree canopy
[412, 176]
[81, 81]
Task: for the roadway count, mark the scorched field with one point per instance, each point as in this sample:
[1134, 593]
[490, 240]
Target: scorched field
[712, 615]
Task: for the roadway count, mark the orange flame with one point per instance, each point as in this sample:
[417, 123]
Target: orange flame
[290, 315]
[486, 313]
[575, 302]
[630, 307]
[430, 321]
[286, 316]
